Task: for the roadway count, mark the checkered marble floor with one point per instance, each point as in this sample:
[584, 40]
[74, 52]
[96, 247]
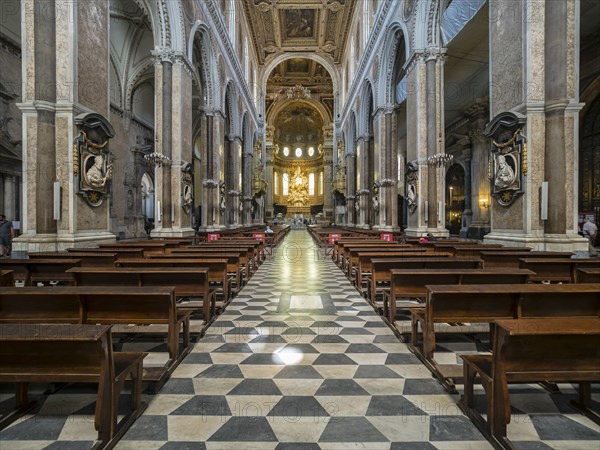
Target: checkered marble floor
[299, 360]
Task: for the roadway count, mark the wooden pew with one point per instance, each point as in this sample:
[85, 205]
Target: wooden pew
[217, 269]
[127, 252]
[233, 262]
[500, 259]
[6, 278]
[87, 259]
[380, 268]
[556, 269]
[344, 249]
[33, 271]
[486, 303]
[363, 261]
[245, 256]
[73, 354]
[452, 248]
[351, 252]
[106, 305]
[411, 283]
[148, 247]
[527, 351]
[587, 275]
[189, 282]
[474, 251]
[338, 246]
[254, 250]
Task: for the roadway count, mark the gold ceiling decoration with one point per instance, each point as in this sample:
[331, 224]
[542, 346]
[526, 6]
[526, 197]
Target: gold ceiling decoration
[319, 26]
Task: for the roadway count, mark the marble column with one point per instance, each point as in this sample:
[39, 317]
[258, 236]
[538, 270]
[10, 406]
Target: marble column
[350, 188]
[544, 86]
[467, 214]
[163, 70]
[10, 199]
[387, 169]
[268, 207]
[248, 168]
[65, 73]
[180, 144]
[211, 215]
[480, 192]
[363, 192]
[425, 138]
[327, 179]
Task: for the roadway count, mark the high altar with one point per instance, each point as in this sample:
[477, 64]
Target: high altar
[298, 193]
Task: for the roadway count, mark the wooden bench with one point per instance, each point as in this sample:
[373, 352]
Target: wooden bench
[587, 275]
[499, 259]
[254, 251]
[148, 247]
[528, 351]
[244, 257]
[338, 246]
[233, 262]
[556, 269]
[350, 257]
[33, 271]
[87, 259]
[73, 354]
[217, 270]
[364, 267]
[105, 305]
[380, 269]
[121, 252]
[474, 251]
[485, 303]
[411, 284]
[7, 278]
[189, 282]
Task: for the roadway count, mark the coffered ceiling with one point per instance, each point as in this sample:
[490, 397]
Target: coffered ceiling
[282, 26]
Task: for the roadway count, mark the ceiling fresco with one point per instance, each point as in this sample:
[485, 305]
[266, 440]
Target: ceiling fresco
[281, 26]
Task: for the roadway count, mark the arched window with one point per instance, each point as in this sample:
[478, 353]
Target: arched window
[286, 184]
[321, 183]
[311, 184]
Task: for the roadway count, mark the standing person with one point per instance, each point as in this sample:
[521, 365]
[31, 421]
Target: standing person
[590, 230]
[7, 233]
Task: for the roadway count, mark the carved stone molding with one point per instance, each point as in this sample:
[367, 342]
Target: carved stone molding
[164, 54]
[207, 182]
[362, 192]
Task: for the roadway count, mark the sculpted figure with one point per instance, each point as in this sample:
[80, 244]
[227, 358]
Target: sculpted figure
[95, 175]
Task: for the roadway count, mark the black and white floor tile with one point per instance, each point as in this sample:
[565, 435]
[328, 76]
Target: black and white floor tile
[299, 360]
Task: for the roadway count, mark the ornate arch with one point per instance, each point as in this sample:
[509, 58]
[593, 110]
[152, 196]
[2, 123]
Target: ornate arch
[332, 69]
[426, 23]
[350, 137]
[368, 100]
[200, 40]
[280, 104]
[118, 82]
[230, 98]
[137, 74]
[396, 35]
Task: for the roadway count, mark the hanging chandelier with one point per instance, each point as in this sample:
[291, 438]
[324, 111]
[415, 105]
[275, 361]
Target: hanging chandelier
[439, 160]
[157, 159]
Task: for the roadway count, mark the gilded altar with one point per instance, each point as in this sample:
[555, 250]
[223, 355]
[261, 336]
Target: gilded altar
[298, 190]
